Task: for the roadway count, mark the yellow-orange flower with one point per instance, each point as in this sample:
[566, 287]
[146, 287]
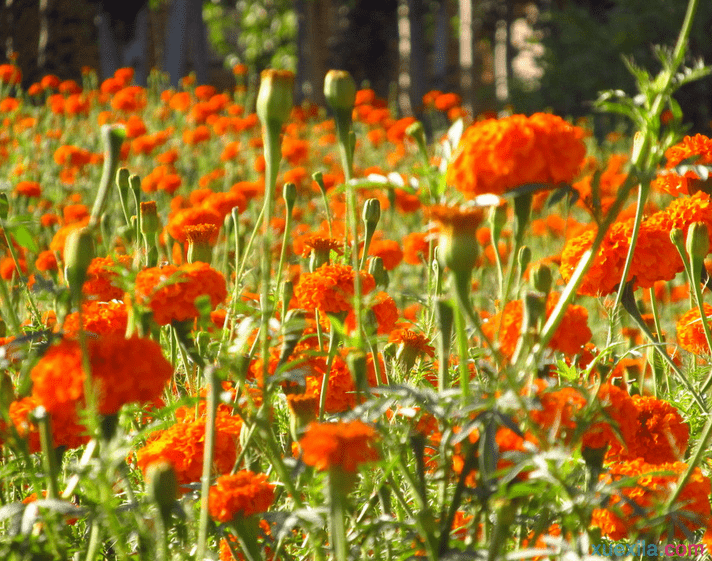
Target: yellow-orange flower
[634, 502]
[330, 289]
[171, 291]
[497, 155]
[343, 445]
[240, 495]
[690, 332]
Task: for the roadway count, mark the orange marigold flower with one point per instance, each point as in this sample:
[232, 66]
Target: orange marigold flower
[618, 407]
[28, 189]
[341, 445]
[559, 409]
[192, 217]
[171, 291]
[46, 261]
[696, 148]
[66, 430]
[98, 318]
[320, 245]
[388, 250]
[240, 495]
[652, 485]
[691, 333]
[655, 257]
[446, 101]
[497, 155]
[101, 278]
[570, 337]
[416, 247]
[330, 289]
[662, 434]
[123, 371]
[182, 445]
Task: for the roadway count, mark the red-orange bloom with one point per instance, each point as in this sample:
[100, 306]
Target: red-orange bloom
[634, 503]
[341, 445]
[330, 288]
[691, 333]
[171, 291]
[123, 371]
[497, 155]
[697, 149]
[240, 495]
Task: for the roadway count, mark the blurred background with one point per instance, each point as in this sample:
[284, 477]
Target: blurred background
[525, 55]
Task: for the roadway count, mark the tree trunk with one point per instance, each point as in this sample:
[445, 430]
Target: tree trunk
[416, 17]
[470, 63]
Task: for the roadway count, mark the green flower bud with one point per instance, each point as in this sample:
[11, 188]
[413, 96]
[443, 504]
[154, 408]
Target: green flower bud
[524, 257]
[162, 486]
[378, 272]
[150, 223]
[340, 90]
[372, 212]
[677, 237]
[698, 240]
[319, 178]
[289, 194]
[541, 278]
[416, 131]
[275, 96]
[78, 253]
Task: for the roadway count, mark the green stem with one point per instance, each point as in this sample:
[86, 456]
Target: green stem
[337, 519]
[49, 454]
[209, 445]
[643, 191]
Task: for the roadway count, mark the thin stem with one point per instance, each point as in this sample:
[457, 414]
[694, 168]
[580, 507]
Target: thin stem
[209, 445]
[643, 191]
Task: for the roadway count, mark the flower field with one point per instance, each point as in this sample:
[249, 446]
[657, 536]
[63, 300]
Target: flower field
[235, 328]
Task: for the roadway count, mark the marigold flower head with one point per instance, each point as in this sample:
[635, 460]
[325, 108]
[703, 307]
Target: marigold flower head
[662, 434]
[498, 155]
[458, 246]
[697, 149]
[330, 289]
[66, 430]
[652, 486]
[691, 333]
[99, 318]
[569, 338]
[28, 189]
[240, 495]
[102, 274]
[182, 445]
[192, 217]
[171, 291]
[123, 371]
[342, 445]
[618, 407]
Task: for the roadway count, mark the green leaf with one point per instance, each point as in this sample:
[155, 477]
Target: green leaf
[24, 237]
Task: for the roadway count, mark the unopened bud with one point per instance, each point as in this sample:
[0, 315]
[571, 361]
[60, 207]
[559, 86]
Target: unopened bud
[524, 257]
[319, 178]
[677, 237]
[541, 278]
[162, 486]
[150, 223]
[372, 212]
[289, 194]
[78, 253]
[416, 131]
[378, 272]
[340, 90]
[275, 96]
[199, 237]
[698, 240]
